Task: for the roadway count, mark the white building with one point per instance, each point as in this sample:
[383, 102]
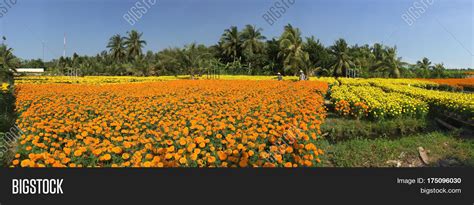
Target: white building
[30, 71]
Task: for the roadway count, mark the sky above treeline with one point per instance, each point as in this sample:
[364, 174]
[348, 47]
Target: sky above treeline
[441, 30]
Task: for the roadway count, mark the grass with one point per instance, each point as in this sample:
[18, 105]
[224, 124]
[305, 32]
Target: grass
[341, 129]
[443, 148]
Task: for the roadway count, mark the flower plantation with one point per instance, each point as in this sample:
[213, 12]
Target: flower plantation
[171, 124]
[375, 103]
[238, 121]
[390, 98]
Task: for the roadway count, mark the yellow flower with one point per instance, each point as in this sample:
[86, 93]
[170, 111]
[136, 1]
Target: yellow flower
[147, 164]
[182, 160]
[106, 157]
[117, 150]
[5, 87]
[211, 159]
[125, 156]
[25, 163]
[77, 153]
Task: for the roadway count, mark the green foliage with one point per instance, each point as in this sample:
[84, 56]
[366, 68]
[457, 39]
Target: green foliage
[379, 152]
[291, 50]
[7, 97]
[341, 129]
[342, 61]
[242, 52]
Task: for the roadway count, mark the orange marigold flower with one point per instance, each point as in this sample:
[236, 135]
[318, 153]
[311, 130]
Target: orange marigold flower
[211, 159]
[243, 163]
[25, 163]
[106, 157]
[125, 156]
[77, 153]
[222, 155]
[16, 162]
[117, 150]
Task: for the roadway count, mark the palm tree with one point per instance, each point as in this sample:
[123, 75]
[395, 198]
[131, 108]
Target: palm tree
[424, 64]
[116, 47]
[134, 44]
[342, 61]
[232, 43]
[319, 57]
[168, 61]
[8, 63]
[378, 52]
[361, 56]
[252, 44]
[438, 70]
[191, 58]
[387, 62]
[7, 58]
[252, 39]
[291, 49]
[141, 66]
[392, 62]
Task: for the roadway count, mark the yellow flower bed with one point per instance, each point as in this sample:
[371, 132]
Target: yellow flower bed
[459, 103]
[375, 81]
[375, 102]
[131, 79]
[171, 124]
[329, 80]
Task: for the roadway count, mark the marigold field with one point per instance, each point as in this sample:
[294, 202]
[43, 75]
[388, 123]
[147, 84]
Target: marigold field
[464, 83]
[237, 121]
[171, 124]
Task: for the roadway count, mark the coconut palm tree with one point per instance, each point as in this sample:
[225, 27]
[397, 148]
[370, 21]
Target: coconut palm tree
[232, 43]
[252, 39]
[252, 45]
[116, 47]
[387, 62]
[291, 49]
[424, 64]
[319, 56]
[191, 58]
[392, 62]
[7, 59]
[168, 61]
[134, 44]
[8, 63]
[342, 61]
[378, 52]
[438, 70]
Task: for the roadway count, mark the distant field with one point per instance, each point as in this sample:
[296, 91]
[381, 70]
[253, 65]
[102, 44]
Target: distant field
[238, 121]
[462, 83]
[127, 79]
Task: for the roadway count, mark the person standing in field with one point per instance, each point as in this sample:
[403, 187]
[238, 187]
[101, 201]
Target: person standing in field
[302, 76]
[280, 78]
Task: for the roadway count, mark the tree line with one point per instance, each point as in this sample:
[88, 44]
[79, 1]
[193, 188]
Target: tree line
[246, 52]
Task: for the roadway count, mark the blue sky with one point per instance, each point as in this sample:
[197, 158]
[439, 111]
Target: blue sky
[443, 33]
